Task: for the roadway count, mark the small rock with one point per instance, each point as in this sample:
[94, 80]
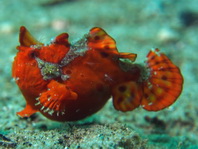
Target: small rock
[6, 28]
[167, 35]
[59, 24]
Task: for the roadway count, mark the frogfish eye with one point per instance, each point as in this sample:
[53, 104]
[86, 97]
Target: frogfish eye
[33, 54]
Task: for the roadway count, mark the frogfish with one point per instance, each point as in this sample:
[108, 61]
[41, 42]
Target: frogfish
[70, 81]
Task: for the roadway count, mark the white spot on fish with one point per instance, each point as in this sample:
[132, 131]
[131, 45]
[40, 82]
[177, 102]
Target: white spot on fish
[77, 110]
[42, 107]
[50, 112]
[16, 79]
[108, 78]
[38, 103]
[150, 103]
[65, 77]
[46, 110]
[48, 99]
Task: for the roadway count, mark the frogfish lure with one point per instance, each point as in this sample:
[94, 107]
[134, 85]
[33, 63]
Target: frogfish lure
[68, 82]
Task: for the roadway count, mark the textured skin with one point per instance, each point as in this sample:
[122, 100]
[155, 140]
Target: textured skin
[70, 82]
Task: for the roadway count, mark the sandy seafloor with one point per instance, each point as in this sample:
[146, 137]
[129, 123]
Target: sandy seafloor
[137, 26]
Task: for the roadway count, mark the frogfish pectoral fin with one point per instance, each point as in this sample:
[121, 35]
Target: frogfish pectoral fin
[27, 111]
[54, 99]
[127, 96]
[26, 39]
[164, 83]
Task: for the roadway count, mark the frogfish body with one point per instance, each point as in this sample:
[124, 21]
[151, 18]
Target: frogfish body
[68, 82]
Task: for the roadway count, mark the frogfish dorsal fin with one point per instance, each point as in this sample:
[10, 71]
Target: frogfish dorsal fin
[26, 39]
[127, 96]
[62, 39]
[98, 39]
[164, 84]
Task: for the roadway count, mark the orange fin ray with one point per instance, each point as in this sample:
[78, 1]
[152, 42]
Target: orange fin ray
[53, 100]
[130, 56]
[164, 84]
[26, 39]
[127, 96]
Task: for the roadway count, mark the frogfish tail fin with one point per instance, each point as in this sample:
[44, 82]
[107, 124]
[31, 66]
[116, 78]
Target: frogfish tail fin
[164, 82]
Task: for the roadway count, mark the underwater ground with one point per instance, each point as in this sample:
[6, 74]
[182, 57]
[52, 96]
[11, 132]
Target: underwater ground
[137, 26]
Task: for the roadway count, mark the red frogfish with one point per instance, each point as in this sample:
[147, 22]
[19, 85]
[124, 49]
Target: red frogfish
[68, 82]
